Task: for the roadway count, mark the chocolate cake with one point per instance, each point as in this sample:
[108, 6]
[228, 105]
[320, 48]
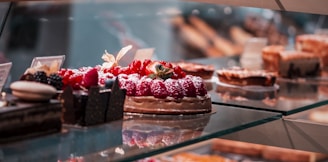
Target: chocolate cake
[96, 106]
[21, 120]
[243, 77]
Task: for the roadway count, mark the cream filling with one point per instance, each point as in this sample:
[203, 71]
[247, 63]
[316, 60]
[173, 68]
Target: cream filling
[150, 104]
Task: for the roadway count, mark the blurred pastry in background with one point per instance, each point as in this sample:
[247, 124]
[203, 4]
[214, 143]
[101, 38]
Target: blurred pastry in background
[239, 35]
[260, 27]
[314, 43]
[291, 63]
[196, 69]
[226, 46]
[198, 34]
[243, 77]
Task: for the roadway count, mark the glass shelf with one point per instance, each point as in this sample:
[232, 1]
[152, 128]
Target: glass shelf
[137, 136]
[286, 97]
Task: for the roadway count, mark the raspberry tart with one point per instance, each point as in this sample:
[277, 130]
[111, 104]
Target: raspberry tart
[164, 89]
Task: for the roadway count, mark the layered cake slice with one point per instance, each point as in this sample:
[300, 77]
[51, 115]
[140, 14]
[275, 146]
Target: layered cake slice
[317, 44]
[298, 64]
[290, 63]
[244, 77]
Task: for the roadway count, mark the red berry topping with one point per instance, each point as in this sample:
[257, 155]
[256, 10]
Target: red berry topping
[135, 66]
[129, 85]
[90, 78]
[158, 89]
[188, 87]
[115, 70]
[199, 85]
[143, 87]
[174, 88]
[75, 80]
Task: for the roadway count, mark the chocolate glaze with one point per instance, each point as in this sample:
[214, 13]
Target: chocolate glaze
[95, 107]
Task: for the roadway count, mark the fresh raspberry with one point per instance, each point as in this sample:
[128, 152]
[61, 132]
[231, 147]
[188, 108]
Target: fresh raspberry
[135, 66]
[124, 70]
[90, 78]
[199, 85]
[188, 87]
[62, 71]
[115, 70]
[143, 87]
[173, 88]
[75, 80]
[129, 85]
[158, 89]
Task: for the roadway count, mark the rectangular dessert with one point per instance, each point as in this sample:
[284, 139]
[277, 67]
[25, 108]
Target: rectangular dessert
[23, 120]
[270, 57]
[290, 64]
[317, 44]
[93, 107]
[294, 64]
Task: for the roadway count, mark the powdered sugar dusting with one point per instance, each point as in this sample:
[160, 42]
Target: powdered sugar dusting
[174, 88]
[158, 89]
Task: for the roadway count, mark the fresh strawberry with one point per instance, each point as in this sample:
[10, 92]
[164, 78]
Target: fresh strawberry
[158, 69]
[143, 87]
[173, 88]
[199, 85]
[151, 67]
[188, 87]
[129, 85]
[158, 89]
[90, 78]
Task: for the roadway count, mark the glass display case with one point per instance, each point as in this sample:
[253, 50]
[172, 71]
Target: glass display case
[207, 32]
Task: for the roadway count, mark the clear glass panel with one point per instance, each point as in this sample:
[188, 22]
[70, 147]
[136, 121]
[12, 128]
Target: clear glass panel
[135, 137]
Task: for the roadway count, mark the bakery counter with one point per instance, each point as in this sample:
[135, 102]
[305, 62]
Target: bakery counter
[135, 137]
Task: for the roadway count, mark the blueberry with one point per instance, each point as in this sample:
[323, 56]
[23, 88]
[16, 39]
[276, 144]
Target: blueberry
[109, 83]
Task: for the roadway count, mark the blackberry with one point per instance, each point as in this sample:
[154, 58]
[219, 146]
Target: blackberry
[109, 83]
[40, 76]
[56, 81]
